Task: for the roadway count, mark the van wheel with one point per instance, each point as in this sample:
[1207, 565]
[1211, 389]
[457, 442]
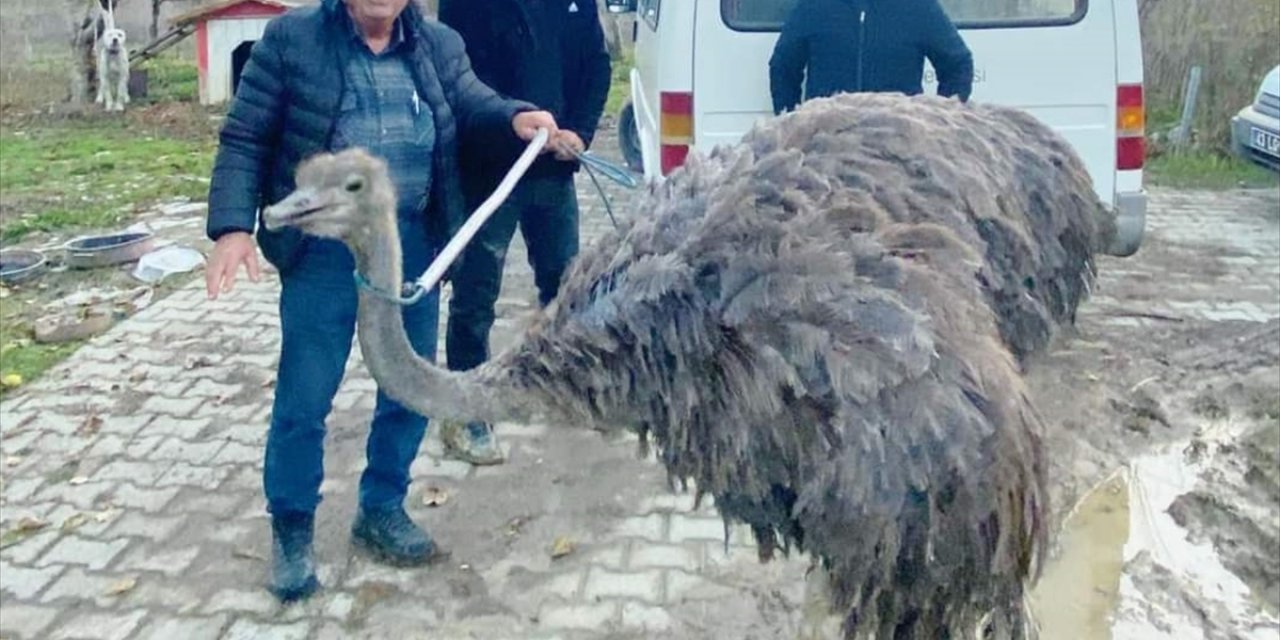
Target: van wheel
[629, 138]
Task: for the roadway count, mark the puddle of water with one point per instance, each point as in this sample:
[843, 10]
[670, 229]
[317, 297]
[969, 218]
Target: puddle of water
[1080, 586]
[1084, 585]
[1155, 481]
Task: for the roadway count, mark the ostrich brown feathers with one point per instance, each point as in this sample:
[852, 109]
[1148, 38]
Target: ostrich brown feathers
[816, 326]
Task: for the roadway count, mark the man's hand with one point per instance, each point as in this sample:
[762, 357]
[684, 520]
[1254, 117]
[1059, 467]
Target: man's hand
[567, 143]
[527, 124]
[231, 251]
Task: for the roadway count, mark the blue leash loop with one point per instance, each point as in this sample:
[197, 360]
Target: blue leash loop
[410, 292]
[617, 174]
[608, 169]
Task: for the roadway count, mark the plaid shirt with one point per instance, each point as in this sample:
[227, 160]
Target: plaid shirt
[382, 112]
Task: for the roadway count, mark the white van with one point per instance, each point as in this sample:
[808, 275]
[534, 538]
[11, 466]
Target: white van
[701, 79]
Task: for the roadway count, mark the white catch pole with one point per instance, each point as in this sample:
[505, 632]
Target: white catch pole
[459, 241]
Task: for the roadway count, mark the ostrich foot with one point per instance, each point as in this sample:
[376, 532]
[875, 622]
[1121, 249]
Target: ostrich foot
[817, 621]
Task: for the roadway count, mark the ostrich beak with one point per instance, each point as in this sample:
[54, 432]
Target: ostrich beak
[295, 208]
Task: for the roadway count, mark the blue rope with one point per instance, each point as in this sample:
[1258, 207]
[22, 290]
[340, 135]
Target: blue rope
[410, 292]
[616, 173]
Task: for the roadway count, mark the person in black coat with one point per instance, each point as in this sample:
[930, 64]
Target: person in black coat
[551, 53]
[845, 46]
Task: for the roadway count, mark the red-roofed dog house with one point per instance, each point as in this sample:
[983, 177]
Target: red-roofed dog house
[225, 31]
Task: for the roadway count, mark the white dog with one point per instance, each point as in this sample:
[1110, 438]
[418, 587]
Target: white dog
[113, 70]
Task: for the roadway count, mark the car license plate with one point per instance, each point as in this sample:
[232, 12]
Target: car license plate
[1266, 142]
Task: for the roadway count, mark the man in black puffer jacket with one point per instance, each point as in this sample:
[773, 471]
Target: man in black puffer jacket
[846, 46]
[350, 73]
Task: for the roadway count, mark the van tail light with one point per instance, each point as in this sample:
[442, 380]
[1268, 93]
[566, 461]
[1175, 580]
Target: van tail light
[1131, 147]
[677, 129]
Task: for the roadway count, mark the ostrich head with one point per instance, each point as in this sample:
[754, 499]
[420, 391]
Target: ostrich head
[346, 196]
[349, 197]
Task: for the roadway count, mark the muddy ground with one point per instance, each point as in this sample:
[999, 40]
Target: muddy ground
[1139, 376]
[1204, 393]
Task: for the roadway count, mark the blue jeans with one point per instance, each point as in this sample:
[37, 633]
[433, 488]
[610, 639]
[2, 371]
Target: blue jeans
[546, 209]
[317, 322]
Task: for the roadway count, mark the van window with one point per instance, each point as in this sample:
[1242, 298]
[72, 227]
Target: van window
[755, 15]
[983, 13]
[768, 15]
[648, 11]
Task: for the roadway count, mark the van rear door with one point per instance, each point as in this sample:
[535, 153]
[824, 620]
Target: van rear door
[733, 41]
[1054, 58]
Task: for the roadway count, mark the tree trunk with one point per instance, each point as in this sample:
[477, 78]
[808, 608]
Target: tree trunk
[155, 18]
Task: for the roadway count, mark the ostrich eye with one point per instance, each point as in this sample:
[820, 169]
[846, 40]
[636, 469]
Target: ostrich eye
[354, 184]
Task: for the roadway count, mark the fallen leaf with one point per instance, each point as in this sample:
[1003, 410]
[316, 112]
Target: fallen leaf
[245, 554]
[434, 496]
[74, 522]
[10, 381]
[64, 473]
[106, 515]
[125, 585]
[515, 525]
[90, 426]
[77, 481]
[29, 524]
[197, 362]
[562, 547]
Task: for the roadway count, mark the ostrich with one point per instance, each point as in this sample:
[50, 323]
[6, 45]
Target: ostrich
[811, 326]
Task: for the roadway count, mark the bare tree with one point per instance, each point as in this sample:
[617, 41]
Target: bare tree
[89, 19]
[155, 18]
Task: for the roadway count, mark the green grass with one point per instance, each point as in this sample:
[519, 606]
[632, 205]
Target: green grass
[27, 359]
[92, 173]
[64, 171]
[172, 79]
[1206, 170]
[620, 87]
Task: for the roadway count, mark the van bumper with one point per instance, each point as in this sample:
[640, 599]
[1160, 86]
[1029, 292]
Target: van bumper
[1131, 223]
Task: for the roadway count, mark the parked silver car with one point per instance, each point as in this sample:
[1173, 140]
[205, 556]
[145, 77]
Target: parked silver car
[1255, 130]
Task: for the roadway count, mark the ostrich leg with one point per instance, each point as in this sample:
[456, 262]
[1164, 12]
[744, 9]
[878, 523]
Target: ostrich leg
[817, 621]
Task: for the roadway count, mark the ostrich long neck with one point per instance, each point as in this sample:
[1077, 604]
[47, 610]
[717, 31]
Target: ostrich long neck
[399, 371]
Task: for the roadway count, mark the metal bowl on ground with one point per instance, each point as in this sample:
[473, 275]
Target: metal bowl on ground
[20, 265]
[104, 250]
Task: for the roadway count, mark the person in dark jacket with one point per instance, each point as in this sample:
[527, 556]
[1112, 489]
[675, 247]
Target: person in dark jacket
[552, 53]
[373, 74]
[846, 46]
